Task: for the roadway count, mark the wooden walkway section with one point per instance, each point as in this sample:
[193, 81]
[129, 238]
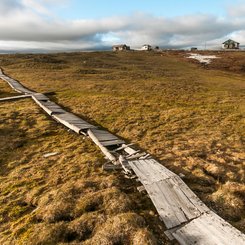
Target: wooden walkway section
[176, 203]
[71, 121]
[15, 84]
[105, 138]
[208, 229]
[187, 219]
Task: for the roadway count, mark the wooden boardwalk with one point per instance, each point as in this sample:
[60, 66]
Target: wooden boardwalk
[15, 84]
[174, 200]
[186, 217]
[68, 119]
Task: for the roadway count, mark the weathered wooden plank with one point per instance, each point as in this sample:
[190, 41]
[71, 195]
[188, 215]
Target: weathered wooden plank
[106, 138]
[125, 165]
[49, 106]
[5, 78]
[174, 201]
[70, 120]
[181, 186]
[40, 97]
[15, 97]
[103, 149]
[70, 117]
[149, 170]
[173, 206]
[122, 147]
[112, 142]
[76, 123]
[129, 150]
[16, 85]
[141, 155]
[209, 229]
[77, 127]
[103, 133]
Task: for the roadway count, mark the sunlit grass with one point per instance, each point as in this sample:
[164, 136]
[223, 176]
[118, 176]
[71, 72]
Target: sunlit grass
[188, 116]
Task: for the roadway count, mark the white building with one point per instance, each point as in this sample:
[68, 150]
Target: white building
[120, 47]
[230, 44]
[146, 47]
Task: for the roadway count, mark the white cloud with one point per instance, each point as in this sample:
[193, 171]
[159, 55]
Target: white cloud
[29, 24]
[239, 36]
[36, 6]
[7, 6]
[237, 10]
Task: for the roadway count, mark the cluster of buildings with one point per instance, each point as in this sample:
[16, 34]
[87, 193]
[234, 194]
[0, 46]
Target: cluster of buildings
[227, 45]
[122, 47]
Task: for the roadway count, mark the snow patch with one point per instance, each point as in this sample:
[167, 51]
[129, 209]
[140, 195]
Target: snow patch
[206, 59]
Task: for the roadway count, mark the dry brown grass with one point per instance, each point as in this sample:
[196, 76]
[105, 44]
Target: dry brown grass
[66, 198]
[190, 117]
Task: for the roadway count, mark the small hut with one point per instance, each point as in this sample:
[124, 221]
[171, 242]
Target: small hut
[194, 49]
[121, 47]
[146, 47]
[230, 44]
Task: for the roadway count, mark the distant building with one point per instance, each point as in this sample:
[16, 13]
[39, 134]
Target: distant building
[120, 47]
[230, 44]
[193, 49]
[146, 47]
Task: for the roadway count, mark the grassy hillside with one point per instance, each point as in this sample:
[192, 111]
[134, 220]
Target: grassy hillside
[189, 116]
[65, 198]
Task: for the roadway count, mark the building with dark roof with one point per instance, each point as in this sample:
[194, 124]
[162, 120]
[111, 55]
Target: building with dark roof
[230, 44]
[120, 47]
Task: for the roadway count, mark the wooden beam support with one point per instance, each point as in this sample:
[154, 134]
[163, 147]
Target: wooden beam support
[15, 98]
[122, 147]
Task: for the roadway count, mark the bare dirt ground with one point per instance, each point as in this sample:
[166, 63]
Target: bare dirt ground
[189, 116]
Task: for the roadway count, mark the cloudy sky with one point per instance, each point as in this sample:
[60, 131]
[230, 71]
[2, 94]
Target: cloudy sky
[54, 25]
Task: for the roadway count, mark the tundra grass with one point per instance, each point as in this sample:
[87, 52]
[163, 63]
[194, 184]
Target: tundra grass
[64, 198]
[189, 117]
